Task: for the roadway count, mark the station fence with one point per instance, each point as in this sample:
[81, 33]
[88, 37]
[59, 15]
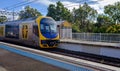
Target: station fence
[97, 37]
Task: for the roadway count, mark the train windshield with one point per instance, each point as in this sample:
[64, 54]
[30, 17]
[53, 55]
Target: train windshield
[48, 25]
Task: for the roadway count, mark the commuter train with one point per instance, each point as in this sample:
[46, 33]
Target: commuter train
[38, 31]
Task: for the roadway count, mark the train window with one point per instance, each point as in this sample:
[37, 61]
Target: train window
[35, 30]
[53, 28]
[12, 31]
[42, 27]
[47, 27]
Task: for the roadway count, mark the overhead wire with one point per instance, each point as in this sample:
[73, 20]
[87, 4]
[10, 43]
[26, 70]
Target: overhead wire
[12, 7]
[15, 4]
[22, 4]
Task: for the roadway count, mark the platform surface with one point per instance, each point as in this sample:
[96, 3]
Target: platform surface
[107, 44]
[73, 61]
[13, 62]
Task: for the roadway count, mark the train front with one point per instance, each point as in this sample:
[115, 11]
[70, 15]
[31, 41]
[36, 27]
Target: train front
[49, 37]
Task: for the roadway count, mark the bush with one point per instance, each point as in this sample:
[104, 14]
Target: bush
[113, 29]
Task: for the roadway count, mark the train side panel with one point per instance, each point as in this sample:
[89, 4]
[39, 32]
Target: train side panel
[27, 34]
[35, 36]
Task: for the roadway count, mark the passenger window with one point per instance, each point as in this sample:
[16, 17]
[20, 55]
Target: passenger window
[42, 27]
[35, 30]
[12, 31]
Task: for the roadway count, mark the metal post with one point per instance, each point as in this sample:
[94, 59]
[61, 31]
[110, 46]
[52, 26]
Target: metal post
[100, 37]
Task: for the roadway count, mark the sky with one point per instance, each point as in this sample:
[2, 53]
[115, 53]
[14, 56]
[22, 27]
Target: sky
[42, 5]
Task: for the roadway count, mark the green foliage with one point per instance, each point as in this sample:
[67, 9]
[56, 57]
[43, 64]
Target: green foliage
[86, 19]
[3, 19]
[101, 29]
[84, 16]
[52, 11]
[103, 20]
[113, 11]
[75, 28]
[29, 12]
[108, 29]
[106, 22]
[113, 29]
[59, 12]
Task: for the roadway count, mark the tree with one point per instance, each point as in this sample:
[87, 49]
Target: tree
[103, 20]
[75, 28]
[113, 11]
[84, 16]
[113, 29]
[3, 19]
[59, 12]
[29, 12]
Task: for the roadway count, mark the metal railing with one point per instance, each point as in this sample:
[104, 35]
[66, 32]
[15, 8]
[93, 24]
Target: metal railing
[97, 37]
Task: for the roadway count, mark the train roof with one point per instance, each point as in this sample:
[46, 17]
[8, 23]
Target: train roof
[19, 21]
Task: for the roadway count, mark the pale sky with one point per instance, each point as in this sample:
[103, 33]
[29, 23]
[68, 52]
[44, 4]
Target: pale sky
[42, 5]
[70, 4]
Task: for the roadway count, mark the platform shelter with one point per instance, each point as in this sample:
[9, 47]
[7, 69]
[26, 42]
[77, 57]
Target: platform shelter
[64, 29]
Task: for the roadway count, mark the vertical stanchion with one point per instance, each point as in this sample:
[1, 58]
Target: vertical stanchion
[100, 37]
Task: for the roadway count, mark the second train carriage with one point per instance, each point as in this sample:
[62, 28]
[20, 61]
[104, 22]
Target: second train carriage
[40, 31]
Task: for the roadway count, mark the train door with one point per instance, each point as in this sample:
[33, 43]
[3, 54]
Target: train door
[25, 31]
[2, 31]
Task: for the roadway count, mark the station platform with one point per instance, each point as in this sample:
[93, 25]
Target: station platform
[40, 56]
[107, 44]
[13, 62]
[14, 57]
[97, 48]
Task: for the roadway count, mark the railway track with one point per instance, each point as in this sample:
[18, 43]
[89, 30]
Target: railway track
[81, 55]
[87, 56]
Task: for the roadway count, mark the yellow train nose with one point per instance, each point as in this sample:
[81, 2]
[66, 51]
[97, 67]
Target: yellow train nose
[49, 43]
